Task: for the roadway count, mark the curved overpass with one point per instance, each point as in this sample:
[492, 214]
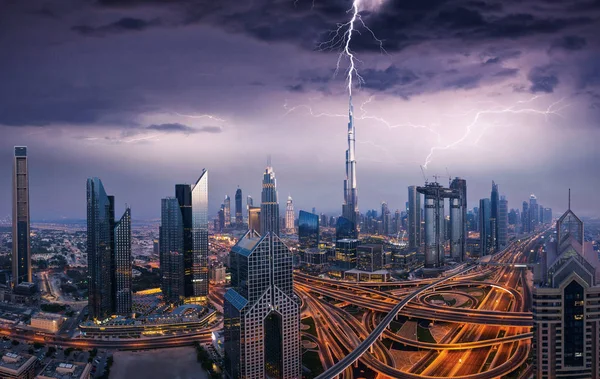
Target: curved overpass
[345, 362]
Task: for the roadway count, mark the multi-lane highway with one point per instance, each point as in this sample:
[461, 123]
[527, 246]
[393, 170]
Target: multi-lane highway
[490, 337]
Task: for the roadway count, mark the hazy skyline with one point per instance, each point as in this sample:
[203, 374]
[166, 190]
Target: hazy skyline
[117, 89]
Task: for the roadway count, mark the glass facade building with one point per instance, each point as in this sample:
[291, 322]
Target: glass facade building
[308, 230]
[261, 311]
[171, 251]
[269, 207]
[122, 265]
[239, 215]
[414, 217]
[200, 237]
[21, 246]
[485, 232]
[183, 193]
[100, 216]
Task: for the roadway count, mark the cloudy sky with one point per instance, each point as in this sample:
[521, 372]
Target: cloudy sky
[145, 94]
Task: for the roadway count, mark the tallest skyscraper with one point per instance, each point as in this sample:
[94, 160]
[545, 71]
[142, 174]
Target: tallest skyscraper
[350, 206]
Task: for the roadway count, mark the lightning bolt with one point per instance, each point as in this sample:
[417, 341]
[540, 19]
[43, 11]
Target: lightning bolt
[550, 110]
[209, 116]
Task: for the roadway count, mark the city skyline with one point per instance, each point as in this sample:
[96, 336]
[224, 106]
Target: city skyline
[106, 113]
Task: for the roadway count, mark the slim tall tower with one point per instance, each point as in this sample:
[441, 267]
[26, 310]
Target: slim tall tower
[122, 275]
[171, 251]
[289, 215]
[183, 193]
[227, 209]
[502, 222]
[21, 248]
[269, 207]
[458, 220]
[350, 206]
[414, 218]
[100, 222]
[239, 213]
[494, 203]
[261, 322]
[200, 237]
[485, 234]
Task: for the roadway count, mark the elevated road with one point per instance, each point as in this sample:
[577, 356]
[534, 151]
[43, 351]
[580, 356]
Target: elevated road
[349, 359]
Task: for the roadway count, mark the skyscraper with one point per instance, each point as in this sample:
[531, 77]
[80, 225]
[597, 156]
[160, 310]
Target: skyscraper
[485, 232]
[239, 213]
[494, 202]
[183, 193]
[350, 206]
[566, 329]
[100, 216]
[502, 223]
[122, 274]
[171, 251]
[414, 218]
[525, 221]
[269, 207]
[289, 215]
[109, 255]
[200, 237]
[434, 224]
[261, 312]
[534, 213]
[249, 201]
[308, 230]
[458, 220]
[227, 209]
[21, 248]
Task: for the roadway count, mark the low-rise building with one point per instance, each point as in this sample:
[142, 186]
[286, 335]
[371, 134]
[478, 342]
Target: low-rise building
[65, 370]
[48, 322]
[17, 366]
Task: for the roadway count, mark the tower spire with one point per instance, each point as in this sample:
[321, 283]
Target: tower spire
[569, 199]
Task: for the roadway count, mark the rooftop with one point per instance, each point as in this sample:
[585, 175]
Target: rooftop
[13, 361]
[62, 370]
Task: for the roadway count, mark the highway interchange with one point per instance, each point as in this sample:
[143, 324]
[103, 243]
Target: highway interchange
[488, 336]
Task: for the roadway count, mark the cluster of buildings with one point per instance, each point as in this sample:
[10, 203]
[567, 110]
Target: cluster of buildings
[24, 366]
[183, 246]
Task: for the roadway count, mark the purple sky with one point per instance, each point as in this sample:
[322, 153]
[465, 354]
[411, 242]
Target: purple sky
[494, 90]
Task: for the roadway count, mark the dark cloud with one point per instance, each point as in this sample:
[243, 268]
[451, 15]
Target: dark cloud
[382, 80]
[180, 128]
[506, 72]
[569, 43]
[464, 82]
[122, 25]
[543, 79]
[460, 18]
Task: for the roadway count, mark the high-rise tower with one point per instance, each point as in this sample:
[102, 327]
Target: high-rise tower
[289, 215]
[269, 207]
[122, 275]
[227, 209]
[350, 206]
[183, 193]
[239, 213]
[414, 218]
[171, 251]
[21, 248]
[100, 219]
[458, 220]
[502, 223]
[200, 237]
[494, 203]
[261, 322]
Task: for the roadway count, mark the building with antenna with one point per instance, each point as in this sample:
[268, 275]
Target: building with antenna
[348, 224]
[566, 305]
